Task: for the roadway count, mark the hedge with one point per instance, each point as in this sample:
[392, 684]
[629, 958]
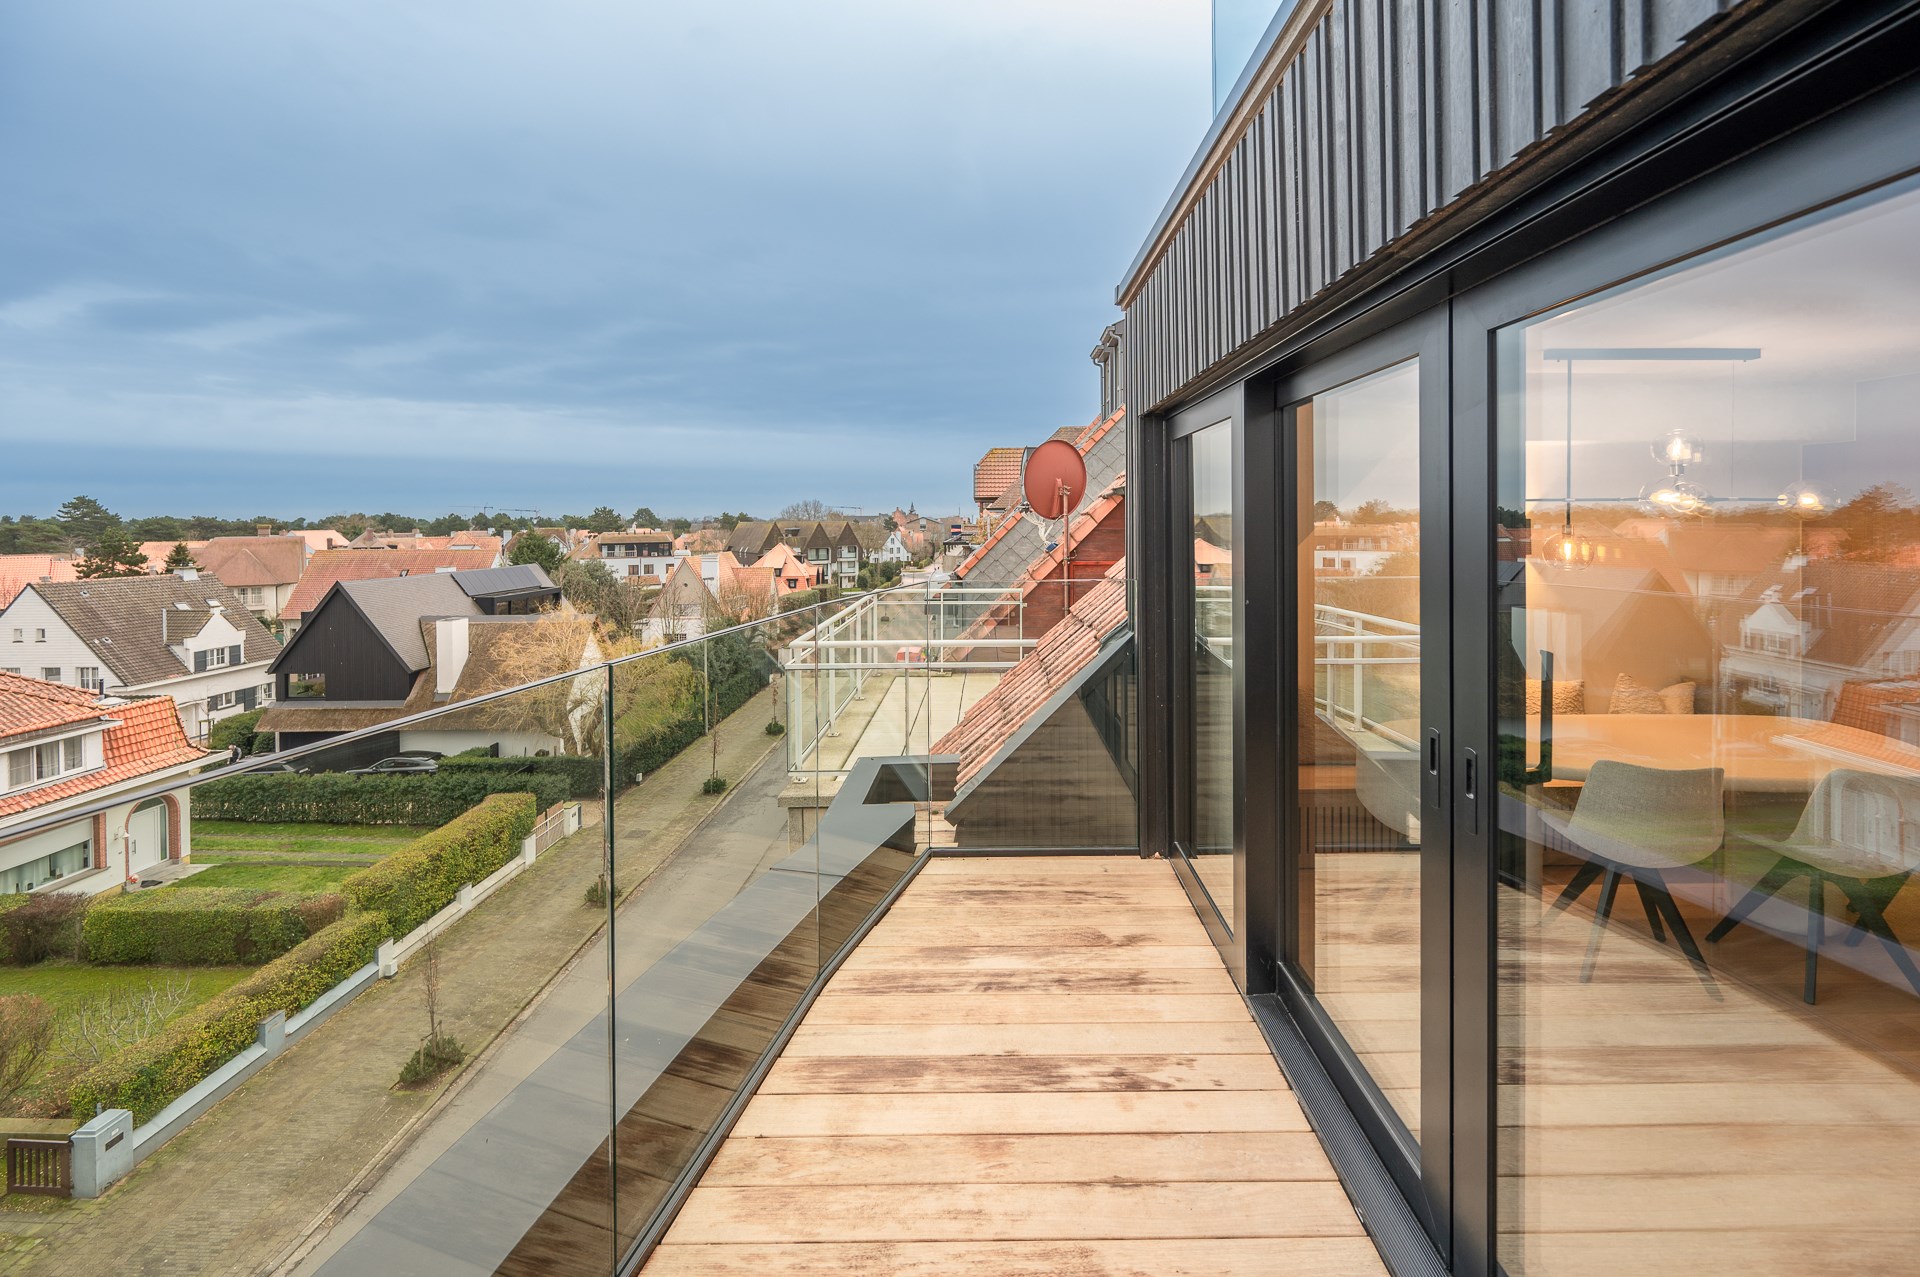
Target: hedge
[411, 885]
[582, 774]
[220, 926]
[235, 729]
[338, 799]
[148, 1075]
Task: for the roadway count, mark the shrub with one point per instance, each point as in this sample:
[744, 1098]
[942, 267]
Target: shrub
[597, 891]
[713, 785]
[26, 1031]
[44, 926]
[237, 729]
[776, 728]
[148, 1075]
[581, 774]
[367, 800]
[220, 926]
[422, 878]
[435, 1056]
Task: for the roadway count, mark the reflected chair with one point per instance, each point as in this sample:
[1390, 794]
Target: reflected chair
[1854, 834]
[1640, 823]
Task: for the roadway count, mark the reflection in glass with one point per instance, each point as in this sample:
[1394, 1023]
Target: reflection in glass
[1211, 681]
[1358, 611]
[1708, 612]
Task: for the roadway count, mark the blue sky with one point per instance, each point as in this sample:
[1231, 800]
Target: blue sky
[304, 257]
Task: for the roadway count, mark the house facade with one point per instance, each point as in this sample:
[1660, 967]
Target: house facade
[63, 746]
[646, 554]
[833, 546]
[184, 636]
[1503, 801]
[378, 650]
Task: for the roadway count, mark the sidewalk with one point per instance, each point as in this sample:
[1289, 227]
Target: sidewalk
[236, 1192]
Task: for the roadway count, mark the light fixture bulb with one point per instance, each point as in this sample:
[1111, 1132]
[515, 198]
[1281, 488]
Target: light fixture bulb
[1802, 498]
[1674, 497]
[1679, 449]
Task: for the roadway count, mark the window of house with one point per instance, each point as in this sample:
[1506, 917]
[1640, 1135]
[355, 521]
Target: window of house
[38, 764]
[45, 869]
[39, 636]
[71, 754]
[19, 636]
[88, 676]
[50, 672]
[221, 700]
[306, 686]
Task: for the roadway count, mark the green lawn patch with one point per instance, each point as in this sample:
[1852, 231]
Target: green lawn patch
[91, 1003]
[300, 839]
[270, 876]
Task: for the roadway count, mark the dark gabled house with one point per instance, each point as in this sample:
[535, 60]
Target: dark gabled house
[363, 650]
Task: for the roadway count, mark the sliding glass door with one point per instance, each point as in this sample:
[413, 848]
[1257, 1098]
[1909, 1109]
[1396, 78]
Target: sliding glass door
[1363, 713]
[1210, 759]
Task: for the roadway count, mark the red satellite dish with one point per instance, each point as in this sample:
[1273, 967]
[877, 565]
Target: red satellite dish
[1054, 479]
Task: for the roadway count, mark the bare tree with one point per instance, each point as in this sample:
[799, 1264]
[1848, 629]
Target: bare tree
[811, 508]
[26, 1031]
[107, 1023]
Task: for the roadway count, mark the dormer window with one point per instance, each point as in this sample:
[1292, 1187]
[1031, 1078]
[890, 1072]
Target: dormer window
[213, 658]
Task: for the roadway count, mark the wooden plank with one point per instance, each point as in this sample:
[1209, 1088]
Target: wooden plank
[1212, 1257]
[1043, 891]
[1016, 1212]
[1068, 866]
[1029, 1008]
[901, 1074]
[938, 983]
[1129, 917]
[927, 1040]
[986, 957]
[1092, 932]
[1072, 1112]
[1131, 1158]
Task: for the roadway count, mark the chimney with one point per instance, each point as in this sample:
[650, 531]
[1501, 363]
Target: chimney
[449, 654]
[263, 529]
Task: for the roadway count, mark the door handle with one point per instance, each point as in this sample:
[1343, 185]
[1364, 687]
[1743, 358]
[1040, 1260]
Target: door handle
[1435, 792]
[1470, 787]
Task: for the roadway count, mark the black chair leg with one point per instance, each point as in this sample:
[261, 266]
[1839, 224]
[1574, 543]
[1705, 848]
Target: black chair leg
[1769, 885]
[1682, 934]
[1816, 933]
[1875, 921]
[1652, 907]
[1609, 887]
[1583, 878]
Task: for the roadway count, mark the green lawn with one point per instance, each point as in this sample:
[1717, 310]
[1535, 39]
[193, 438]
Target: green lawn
[71, 988]
[305, 840]
[269, 876]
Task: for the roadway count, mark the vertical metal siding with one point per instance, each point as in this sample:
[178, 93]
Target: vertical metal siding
[1390, 111]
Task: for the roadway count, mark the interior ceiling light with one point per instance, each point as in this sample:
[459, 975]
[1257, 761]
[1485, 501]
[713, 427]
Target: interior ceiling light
[1803, 498]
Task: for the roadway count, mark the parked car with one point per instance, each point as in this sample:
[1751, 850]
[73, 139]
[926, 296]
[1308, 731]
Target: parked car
[399, 765]
[281, 768]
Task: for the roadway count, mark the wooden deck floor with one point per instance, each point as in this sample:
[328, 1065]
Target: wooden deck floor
[1031, 1066]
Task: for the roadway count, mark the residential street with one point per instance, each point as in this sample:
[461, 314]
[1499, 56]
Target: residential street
[237, 1192]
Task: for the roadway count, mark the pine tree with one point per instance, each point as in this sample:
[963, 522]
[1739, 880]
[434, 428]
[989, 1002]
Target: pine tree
[180, 557]
[112, 553]
[84, 520]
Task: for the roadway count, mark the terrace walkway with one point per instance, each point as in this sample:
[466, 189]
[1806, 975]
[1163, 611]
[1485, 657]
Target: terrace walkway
[1032, 1065]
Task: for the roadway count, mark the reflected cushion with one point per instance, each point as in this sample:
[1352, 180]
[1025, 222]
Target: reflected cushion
[1678, 697]
[1630, 696]
[1569, 696]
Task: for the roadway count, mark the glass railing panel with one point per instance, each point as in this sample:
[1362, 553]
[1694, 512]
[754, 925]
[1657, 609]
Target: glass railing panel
[335, 985]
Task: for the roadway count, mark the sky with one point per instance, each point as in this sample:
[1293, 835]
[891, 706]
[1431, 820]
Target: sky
[299, 258]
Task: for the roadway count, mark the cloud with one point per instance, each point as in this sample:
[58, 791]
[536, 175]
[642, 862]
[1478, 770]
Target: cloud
[758, 239]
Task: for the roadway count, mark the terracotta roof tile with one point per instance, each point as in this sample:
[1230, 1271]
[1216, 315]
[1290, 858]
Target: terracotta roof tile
[1062, 653]
[18, 571]
[148, 739]
[994, 471]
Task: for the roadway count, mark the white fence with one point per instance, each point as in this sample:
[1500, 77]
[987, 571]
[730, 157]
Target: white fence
[109, 1146]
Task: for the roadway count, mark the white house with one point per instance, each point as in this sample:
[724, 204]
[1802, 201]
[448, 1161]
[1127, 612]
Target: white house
[184, 636]
[646, 554]
[892, 550]
[65, 747]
